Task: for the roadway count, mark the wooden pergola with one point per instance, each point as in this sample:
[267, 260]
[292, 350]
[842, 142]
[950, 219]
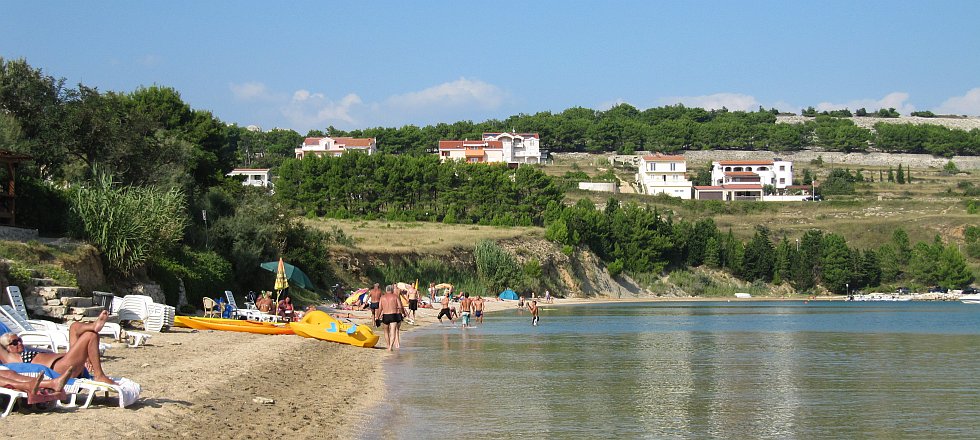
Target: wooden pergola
[8, 195]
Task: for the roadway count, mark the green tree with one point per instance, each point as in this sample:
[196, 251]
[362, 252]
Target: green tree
[900, 176]
[759, 260]
[835, 262]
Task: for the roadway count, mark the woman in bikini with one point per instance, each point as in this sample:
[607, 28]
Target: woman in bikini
[83, 340]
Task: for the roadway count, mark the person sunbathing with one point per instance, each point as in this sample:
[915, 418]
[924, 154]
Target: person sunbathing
[31, 385]
[83, 341]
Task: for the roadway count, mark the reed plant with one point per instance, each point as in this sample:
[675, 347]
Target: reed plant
[128, 224]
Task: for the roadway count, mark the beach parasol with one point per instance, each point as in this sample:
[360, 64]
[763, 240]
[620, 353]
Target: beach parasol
[403, 286]
[357, 294]
[444, 286]
[281, 281]
[294, 275]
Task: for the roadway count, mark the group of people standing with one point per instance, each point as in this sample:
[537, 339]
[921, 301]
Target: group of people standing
[388, 309]
[470, 309]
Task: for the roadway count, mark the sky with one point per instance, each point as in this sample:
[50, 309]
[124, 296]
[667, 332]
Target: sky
[307, 65]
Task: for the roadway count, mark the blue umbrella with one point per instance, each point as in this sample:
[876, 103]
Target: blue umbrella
[508, 294]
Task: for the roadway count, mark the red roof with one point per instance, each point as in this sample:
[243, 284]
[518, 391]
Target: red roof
[745, 162]
[525, 135]
[354, 142]
[729, 186]
[311, 141]
[458, 145]
[663, 158]
[742, 186]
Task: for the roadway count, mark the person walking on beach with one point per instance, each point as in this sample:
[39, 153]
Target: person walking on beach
[432, 293]
[375, 295]
[392, 312]
[533, 307]
[413, 304]
[478, 309]
[466, 308]
[445, 311]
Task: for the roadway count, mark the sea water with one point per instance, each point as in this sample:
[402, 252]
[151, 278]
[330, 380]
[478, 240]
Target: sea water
[749, 369]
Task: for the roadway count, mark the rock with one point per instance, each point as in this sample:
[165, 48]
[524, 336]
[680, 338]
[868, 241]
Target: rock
[263, 400]
[53, 302]
[75, 301]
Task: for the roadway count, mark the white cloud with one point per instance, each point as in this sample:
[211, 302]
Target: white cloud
[968, 104]
[731, 101]
[456, 94]
[306, 109]
[896, 100]
[249, 91]
[150, 60]
[603, 106]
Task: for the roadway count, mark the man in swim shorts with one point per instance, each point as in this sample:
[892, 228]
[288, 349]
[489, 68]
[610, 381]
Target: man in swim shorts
[375, 295]
[533, 307]
[478, 309]
[445, 311]
[391, 310]
[413, 304]
[466, 307]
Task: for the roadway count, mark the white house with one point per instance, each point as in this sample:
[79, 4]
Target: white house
[328, 146]
[778, 173]
[253, 176]
[471, 151]
[662, 174]
[511, 148]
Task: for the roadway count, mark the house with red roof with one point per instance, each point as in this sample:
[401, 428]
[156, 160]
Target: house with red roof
[664, 174]
[748, 179]
[335, 146]
[510, 148]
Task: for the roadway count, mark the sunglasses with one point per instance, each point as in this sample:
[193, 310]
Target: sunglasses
[15, 342]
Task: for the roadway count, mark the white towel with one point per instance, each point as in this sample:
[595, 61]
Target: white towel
[129, 391]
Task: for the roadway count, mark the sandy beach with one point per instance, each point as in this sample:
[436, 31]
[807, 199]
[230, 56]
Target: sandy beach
[214, 382]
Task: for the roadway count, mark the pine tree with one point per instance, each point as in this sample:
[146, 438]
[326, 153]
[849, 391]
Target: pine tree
[759, 260]
[900, 176]
[881, 175]
[908, 175]
[891, 175]
[712, 253]
[836, 261]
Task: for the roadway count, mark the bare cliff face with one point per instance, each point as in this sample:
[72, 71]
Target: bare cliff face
[579, 274]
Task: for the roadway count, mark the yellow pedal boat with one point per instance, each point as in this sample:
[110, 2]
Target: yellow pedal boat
[319, 325]
[233, 325]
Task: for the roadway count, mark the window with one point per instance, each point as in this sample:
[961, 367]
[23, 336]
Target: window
[673, 166]
[782, 180]
[445, 153]
[782, 168]
[651, 166]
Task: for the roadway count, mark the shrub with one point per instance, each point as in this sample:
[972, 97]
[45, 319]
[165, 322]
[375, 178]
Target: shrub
[495, 267]
[129, 225]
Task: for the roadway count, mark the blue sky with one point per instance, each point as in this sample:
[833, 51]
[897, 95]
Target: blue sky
[358, 64]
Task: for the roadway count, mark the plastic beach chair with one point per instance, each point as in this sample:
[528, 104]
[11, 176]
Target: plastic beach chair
[17, 301]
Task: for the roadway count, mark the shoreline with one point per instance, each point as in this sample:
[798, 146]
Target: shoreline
[205, 381]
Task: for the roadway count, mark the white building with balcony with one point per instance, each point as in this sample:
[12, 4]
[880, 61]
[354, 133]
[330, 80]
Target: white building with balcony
[253, 176]
[778, 173]
[335, 146]
[510, 148]
[662, 174]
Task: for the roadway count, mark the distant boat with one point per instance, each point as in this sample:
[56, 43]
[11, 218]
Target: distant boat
[970, 299]
[743, 295]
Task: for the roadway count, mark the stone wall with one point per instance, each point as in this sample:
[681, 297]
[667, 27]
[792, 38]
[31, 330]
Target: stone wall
[17, 234]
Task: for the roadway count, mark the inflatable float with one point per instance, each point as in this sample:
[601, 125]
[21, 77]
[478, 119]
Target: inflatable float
[319, 325]
[233, 325]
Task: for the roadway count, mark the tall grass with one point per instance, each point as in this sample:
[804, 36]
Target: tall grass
[129, 225]
[427, 270]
